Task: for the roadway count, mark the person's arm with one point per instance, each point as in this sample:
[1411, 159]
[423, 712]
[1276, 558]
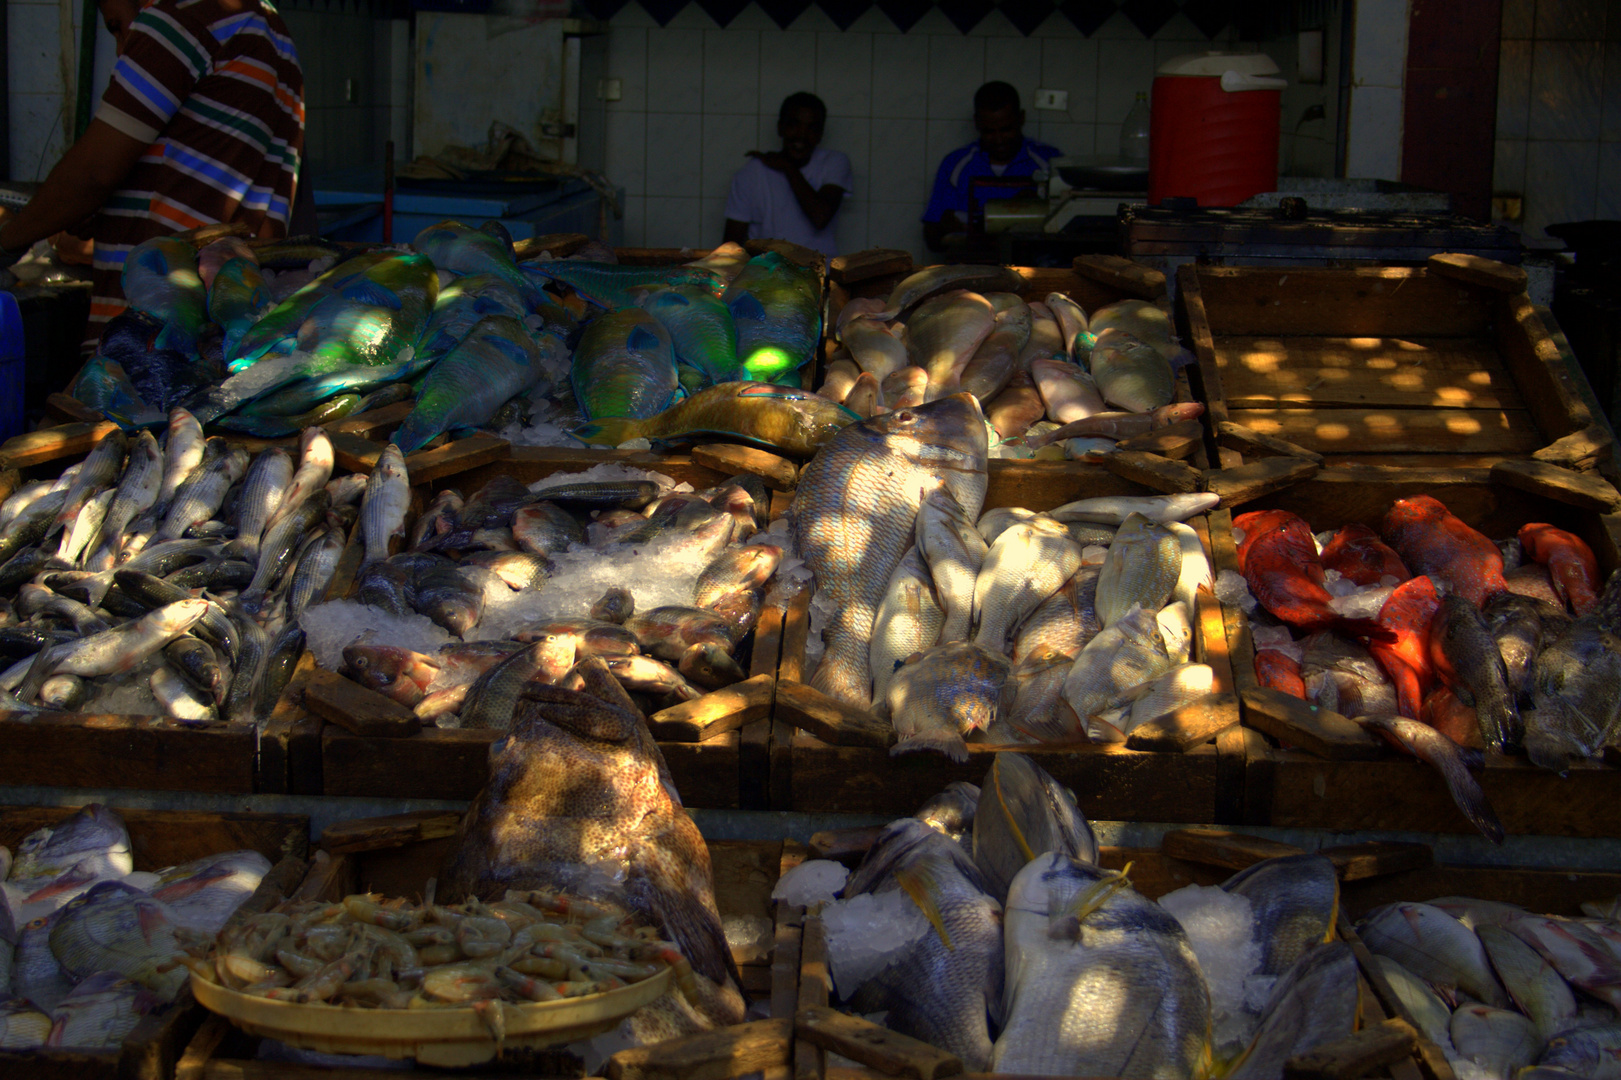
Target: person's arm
[819, 205]
[940, 218]
[935, 232]
[736, 232]
[81, 182]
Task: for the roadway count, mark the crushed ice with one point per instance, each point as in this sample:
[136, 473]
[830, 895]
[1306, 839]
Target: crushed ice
[329, 627]
[866, 932]
[811, 881]
[1221, 928]
[1278, 639]
[1232, 589]
[606, 473]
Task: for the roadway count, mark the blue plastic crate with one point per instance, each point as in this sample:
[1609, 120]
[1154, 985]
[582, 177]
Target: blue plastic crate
[13, 367]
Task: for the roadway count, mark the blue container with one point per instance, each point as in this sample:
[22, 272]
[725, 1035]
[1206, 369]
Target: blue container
[13, 366]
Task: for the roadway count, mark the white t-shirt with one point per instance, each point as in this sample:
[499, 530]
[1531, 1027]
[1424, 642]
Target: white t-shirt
[762, 197]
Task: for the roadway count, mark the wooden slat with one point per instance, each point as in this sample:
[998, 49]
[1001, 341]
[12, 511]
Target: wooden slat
[1194, 723]
[1453, 431]
[1533, 359]
[376, 424]
[1131, 279]
[1239, 484]
[1429, 462]
[710, 1055]
[1438, 373]
[871, 263]
[1474, 270]
[715, 713]
[49, 444]
[1375, 301]
[395, 830]
[1322, 732]
[1219, 847]
[1581, 450]
[1586, 490]
[84, 751]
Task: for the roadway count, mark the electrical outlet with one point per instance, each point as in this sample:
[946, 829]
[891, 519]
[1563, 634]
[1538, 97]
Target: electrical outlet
[610, 89]
[1056, 100]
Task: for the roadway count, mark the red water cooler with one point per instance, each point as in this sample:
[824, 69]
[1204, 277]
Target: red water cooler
[1213, 128]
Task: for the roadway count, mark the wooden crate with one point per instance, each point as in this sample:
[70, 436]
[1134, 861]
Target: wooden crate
[1439, 366]
[158, 839]
[1110, 782]
[726, 769]
[396, 856]
[1367, 785]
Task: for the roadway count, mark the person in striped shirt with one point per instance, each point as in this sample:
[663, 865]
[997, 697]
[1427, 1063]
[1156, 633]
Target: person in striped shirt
[203, 122]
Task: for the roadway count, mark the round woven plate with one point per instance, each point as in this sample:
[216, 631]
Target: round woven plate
[447, 1037]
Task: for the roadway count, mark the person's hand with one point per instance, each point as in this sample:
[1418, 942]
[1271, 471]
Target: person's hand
[774, 160]
[71, 250]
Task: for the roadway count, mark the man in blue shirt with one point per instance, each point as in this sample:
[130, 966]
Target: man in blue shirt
[1001, 150]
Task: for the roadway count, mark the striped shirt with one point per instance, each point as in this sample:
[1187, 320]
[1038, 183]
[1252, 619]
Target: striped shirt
[214, 87]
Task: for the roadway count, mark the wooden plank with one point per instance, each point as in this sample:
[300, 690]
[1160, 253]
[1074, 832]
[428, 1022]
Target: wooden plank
[1474, 270]
[716, 712]
[890, 1052]
[1322, 732]
[1131, 279]
[1368, 301]
[527, 464]
[77, 750]
[754, 740]
[1587, 490]
[355, 708]
[49, 444]
[779, 473]
[1219, 847]
[1153, 472]
[193, 1064]
[1355, 1055]
[1533, 359]
[1581, 450]
[1194, 321]
[375, 424]
[1240, 484]
[1428, 462]
[426, 466]
[72, 409]
[1375, 858]
[721, 1054]
[1253, 444]
[163, 838]
[848, 846]
[1194, 723]
[830, 720]
[1176, 441]
[1554, 892]
[1457, 431]
[871, 263]
[785, 960]
[1437, 373]
[559, 245]
[810, 1059]
[395, 830]
[331, 878]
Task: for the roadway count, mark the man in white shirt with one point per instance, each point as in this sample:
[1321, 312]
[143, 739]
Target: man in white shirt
[793, 193]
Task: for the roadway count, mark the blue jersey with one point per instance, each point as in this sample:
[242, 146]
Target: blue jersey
[961, 166]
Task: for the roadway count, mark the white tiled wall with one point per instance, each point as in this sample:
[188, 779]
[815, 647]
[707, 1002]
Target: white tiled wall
[696, 97]
[1378, 75]
[39, 104]
[1559, 111]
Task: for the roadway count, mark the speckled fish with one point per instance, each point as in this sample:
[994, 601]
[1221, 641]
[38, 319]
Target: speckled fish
[1576, 687]
[1181, 685]
[1066, 621]
[1434, 946]
[1100, 980]
[387, 499]
[777, 306]
[494, 694]
[115, 927]
[1023, 813]
[668, 632]
[1038, 694]
[954, 552]
[497, 360]
[579, 792]
[238, 298]
[909, 621]
[778, 418]
[855, 512]
[937, 698]
[612, 286]
[1023, 568]
[1296, 903]
[918, 287]
[1142, 568]
[945, 985]
[160, 278]
[624, 366]
[461, 250]
[1314, 1003]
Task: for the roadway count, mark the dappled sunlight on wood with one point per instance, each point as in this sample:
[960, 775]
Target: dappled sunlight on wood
[1462, 425]
[1447, 373]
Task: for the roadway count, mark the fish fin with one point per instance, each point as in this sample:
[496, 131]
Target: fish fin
[917, 881]
[174, 338]
[642, 338]
[948, 743]
[688, 923]
[609, 431]
[152, 261]
[747, 306]
[367, 291]
[1012, 821]
[1094, 896]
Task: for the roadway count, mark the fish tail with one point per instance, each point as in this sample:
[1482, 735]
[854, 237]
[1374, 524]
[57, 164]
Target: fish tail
[948, 743]
[1465, 789]
[918, 882]
[609, 431]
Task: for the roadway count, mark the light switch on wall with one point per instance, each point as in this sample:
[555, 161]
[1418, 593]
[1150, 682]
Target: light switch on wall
[1057, 100]
[610, 89]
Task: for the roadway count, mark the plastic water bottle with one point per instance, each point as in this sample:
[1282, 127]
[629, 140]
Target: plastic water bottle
[1134, 133]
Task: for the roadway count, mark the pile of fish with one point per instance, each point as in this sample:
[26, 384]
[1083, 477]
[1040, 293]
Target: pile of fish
[985, 926]
[1070, 625]
[1045, 375]
[514, 586]
[1438, 639]
[88, 945]
[458, 326]
[371, 953]
[168, 577]
[1501, 989]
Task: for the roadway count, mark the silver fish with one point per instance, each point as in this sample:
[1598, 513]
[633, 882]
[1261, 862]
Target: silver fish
[1038, 709]
[202, 894]
[1499, 1041]
[945, 694]
[1130, 373]
[1026, 565]
[1066, 621]
[855, 510]
[1532, 983]
[1127, 654]
[178, 698]
[388, 497]
[21, 499]
[928, 282]
[1141, 569]
[36, 974]
[994, 522]
[117, 650]
[263, 489]
[1100, 980]
[99, 470]
[909, 620]
[1434, 946]
[1314, 1003]
[316, 565]
[1114, 509]
[1575, 950]
[315, 460]
[137, 491]
[182, 453]
[85, 528]
[201, 496]
[955, 553]
[1023, 813]
[1072, 324]
[1591, 1052]
[116, 927]
[1423, 1004]
[100, 1012]
[22, 1025]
